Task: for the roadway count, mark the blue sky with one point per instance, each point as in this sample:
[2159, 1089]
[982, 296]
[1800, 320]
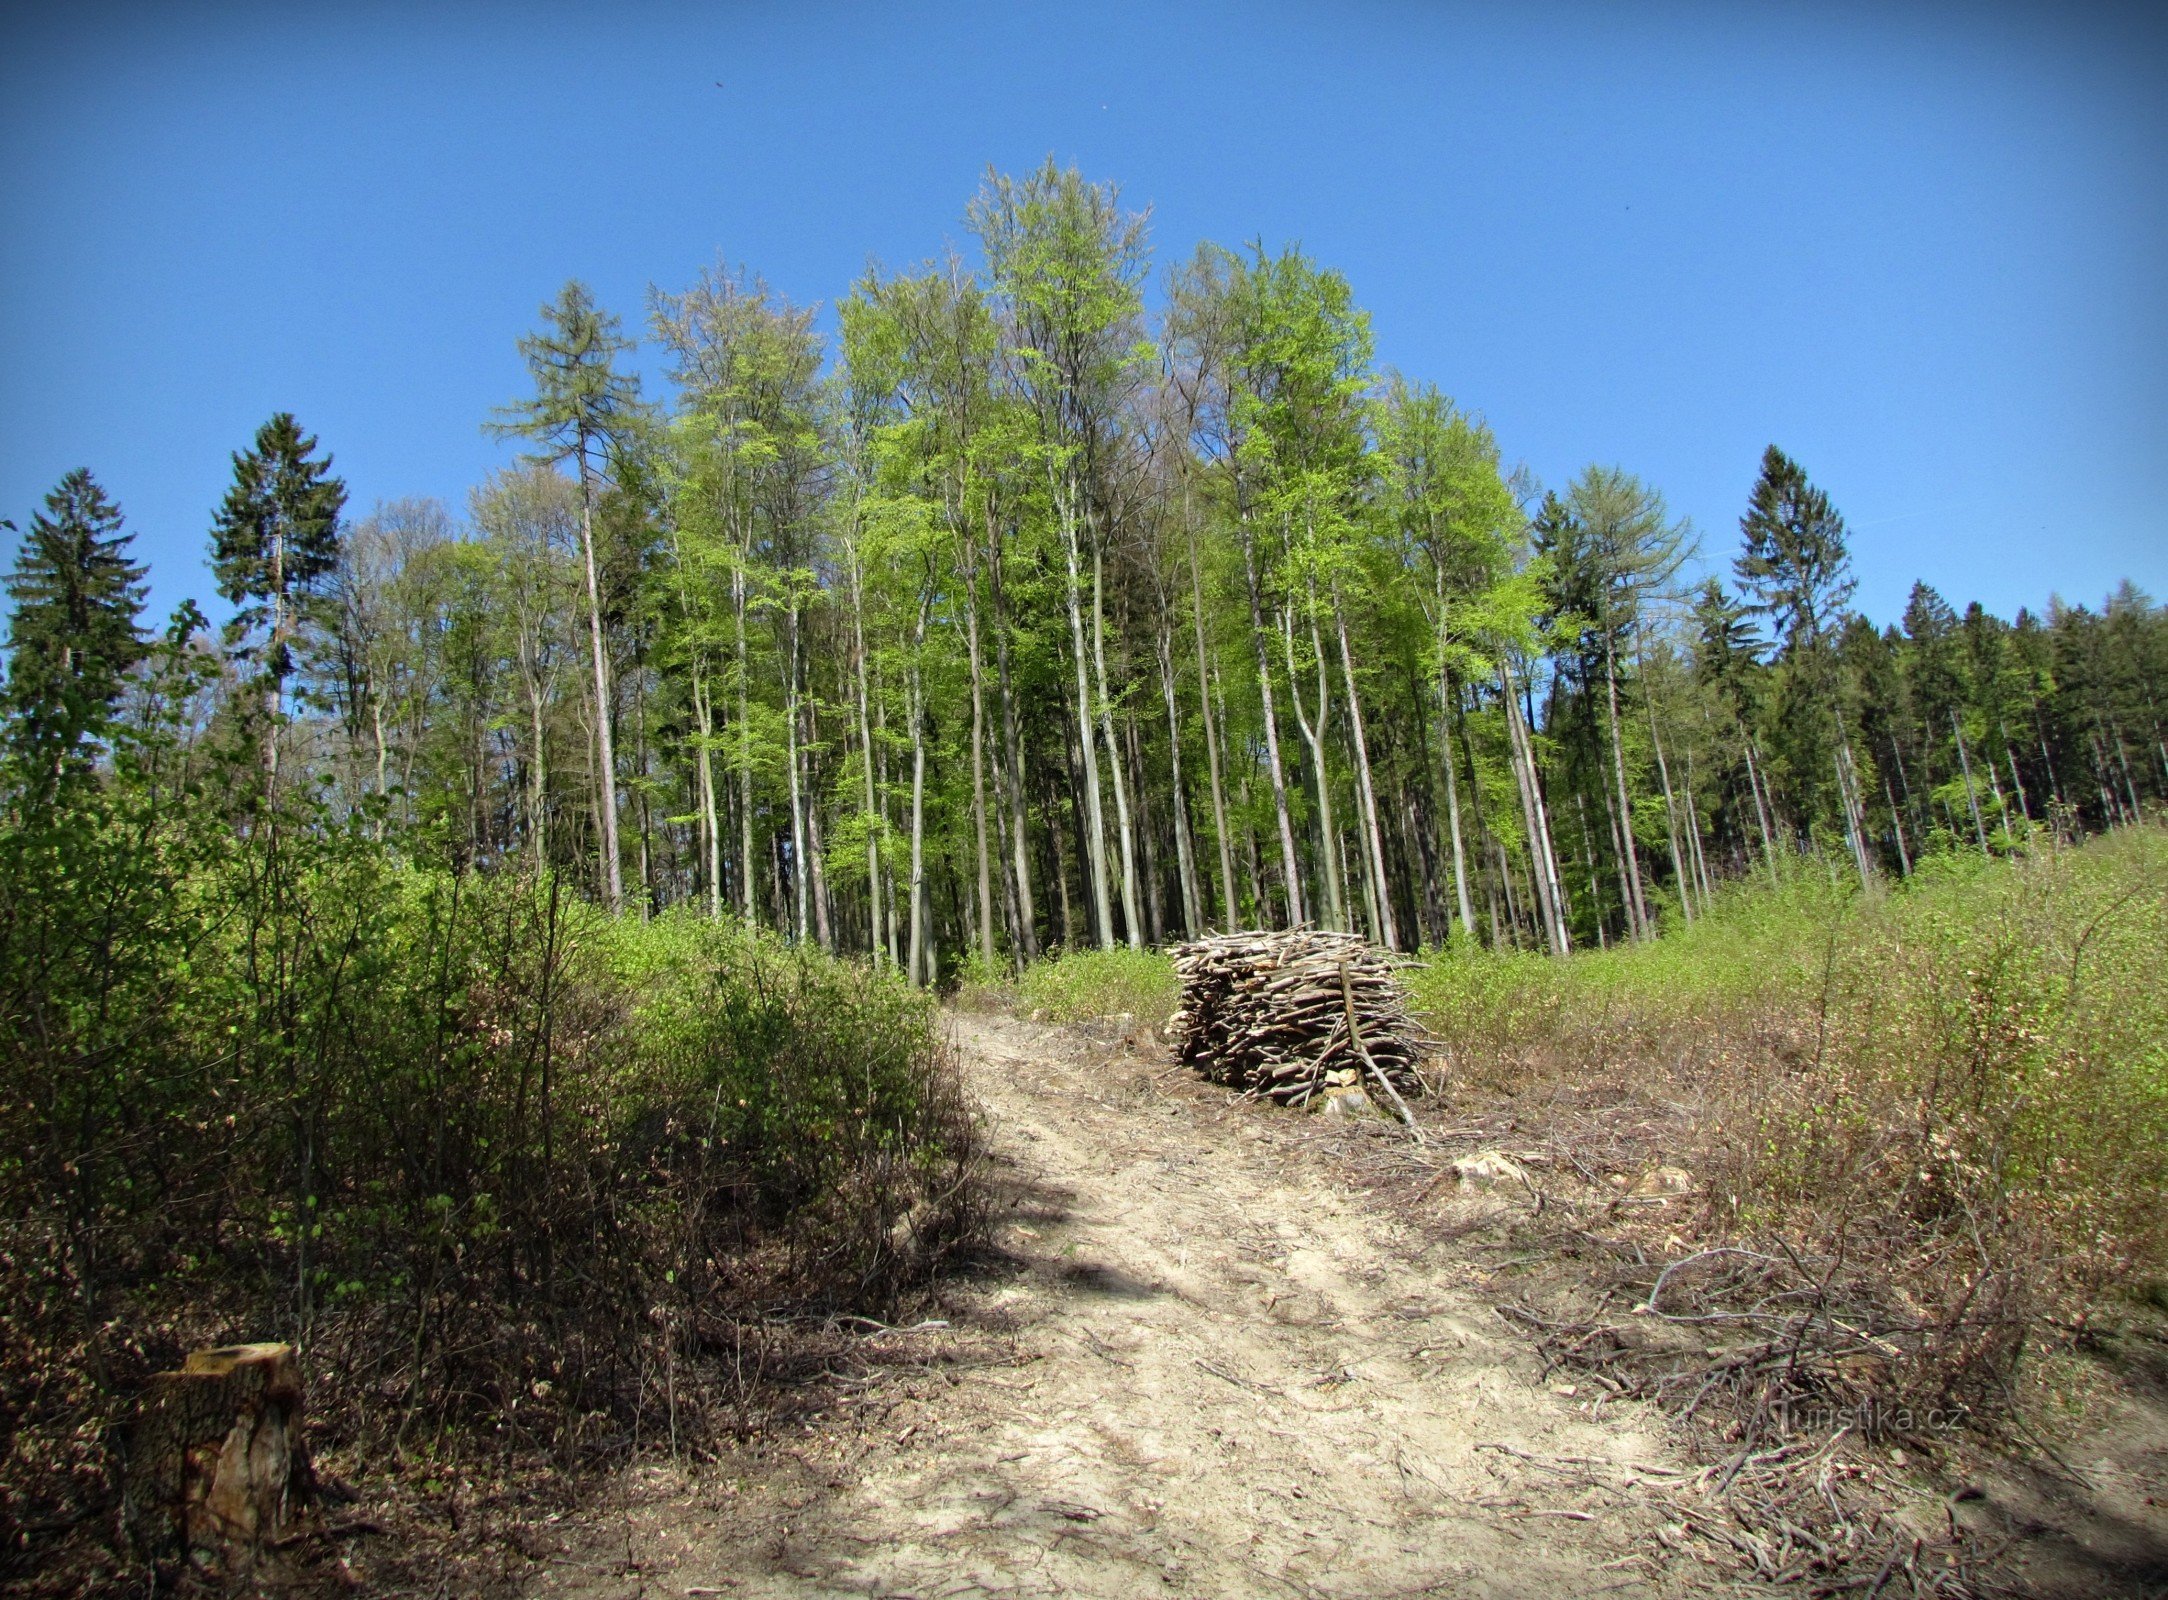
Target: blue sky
[1921, 247]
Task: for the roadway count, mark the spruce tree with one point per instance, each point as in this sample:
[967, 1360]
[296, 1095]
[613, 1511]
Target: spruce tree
[273, 543]
[1798, 573]
[73, 635]
[1794, 565]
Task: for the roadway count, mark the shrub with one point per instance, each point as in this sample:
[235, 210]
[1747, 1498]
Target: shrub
[1078, 985]
[1954, 1092]
[504, 1165]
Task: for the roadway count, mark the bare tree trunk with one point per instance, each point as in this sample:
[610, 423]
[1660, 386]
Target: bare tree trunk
[606, 774]
[978, 766]
[1637, 911]
[1679, 871]
[1855, 814]
[1761, 811]
[1211, 742]
[799, 878]
[1124, 831]
[1550, 894]
[1972, 798]
[1148, 886]
[1012, 760]
[711, 853]
[1185, 858]
[1272, 735]
[1388, 935]
[915, 971]
[1702, 881]
[874, 935]
[1904, 856]
[816, 863]
[1449, 709]
[1595, 891]
[1095, 847]
[745, 751]
[1313, 736]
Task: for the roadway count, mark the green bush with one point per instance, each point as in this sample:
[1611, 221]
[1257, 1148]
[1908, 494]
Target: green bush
[1078, 985]
[1960, 1081]
[502, 1163]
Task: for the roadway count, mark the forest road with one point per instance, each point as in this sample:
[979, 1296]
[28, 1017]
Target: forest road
[1223, 1375]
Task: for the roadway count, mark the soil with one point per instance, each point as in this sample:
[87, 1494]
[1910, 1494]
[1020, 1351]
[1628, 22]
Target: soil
[1198, 1363]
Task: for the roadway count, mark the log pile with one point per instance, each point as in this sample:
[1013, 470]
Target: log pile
[1296, 1016]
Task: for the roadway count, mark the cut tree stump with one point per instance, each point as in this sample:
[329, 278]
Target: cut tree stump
[216, 1465]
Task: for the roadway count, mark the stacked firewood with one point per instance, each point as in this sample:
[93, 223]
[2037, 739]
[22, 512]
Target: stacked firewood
[1296, 1016]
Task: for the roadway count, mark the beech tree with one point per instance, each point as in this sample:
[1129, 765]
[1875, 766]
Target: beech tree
[1046, 612]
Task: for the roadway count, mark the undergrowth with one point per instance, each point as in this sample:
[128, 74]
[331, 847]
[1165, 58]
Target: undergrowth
[1927, 1127]
[1078, 985]
[520, 1178]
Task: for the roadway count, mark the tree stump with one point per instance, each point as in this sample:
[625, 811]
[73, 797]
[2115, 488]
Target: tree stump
[216, 1463]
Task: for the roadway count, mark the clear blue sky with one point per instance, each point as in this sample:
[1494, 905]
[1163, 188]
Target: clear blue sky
[1923, 247]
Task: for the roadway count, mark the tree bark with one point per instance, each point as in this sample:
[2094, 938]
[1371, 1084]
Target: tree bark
[1388, 934]
[1124, 831]
[1273, 768]
[1211, 742]
[613, 884]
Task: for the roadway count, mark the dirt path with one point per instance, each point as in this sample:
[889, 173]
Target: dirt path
[1223, 1375]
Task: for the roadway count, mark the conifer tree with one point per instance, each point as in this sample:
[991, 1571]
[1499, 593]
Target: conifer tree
[1795, 564]
[73, 635]
[274, 542]
[1798, 573]
[583, 407]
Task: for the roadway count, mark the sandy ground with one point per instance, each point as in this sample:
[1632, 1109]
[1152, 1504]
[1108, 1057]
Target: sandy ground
[1197, 1367]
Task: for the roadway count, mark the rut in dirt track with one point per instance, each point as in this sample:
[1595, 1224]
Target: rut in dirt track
[1233, 1377]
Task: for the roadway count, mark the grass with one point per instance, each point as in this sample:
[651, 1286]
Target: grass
[1945, 1101]
[1078, 985]
[1954, 1091]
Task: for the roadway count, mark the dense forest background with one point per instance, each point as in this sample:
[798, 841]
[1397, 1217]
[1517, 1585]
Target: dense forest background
[1044, 611]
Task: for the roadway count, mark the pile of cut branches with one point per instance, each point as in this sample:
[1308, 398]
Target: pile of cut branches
[1294, 1015]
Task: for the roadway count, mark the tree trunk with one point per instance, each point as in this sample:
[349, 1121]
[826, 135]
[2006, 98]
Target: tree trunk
[745, 752]
[1637, 911]
[606, 774]
[1313, 736]
[1185, 858]
[1125, 832]
[800, 884]
[874, 931]
[1211, 743]
[1013, 763]
[1972, 799]
[978, 767]
[915, 971]
[1272, 735]
[1761, 811]
[1388, 934]
[1095, 857]
[1551, 897]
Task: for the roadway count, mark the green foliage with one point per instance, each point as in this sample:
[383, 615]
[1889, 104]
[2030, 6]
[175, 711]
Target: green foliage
[1985, 1048]
[463, 1134]
[73, 634]
[275, 539]
[1078, 985]
[581, 398]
